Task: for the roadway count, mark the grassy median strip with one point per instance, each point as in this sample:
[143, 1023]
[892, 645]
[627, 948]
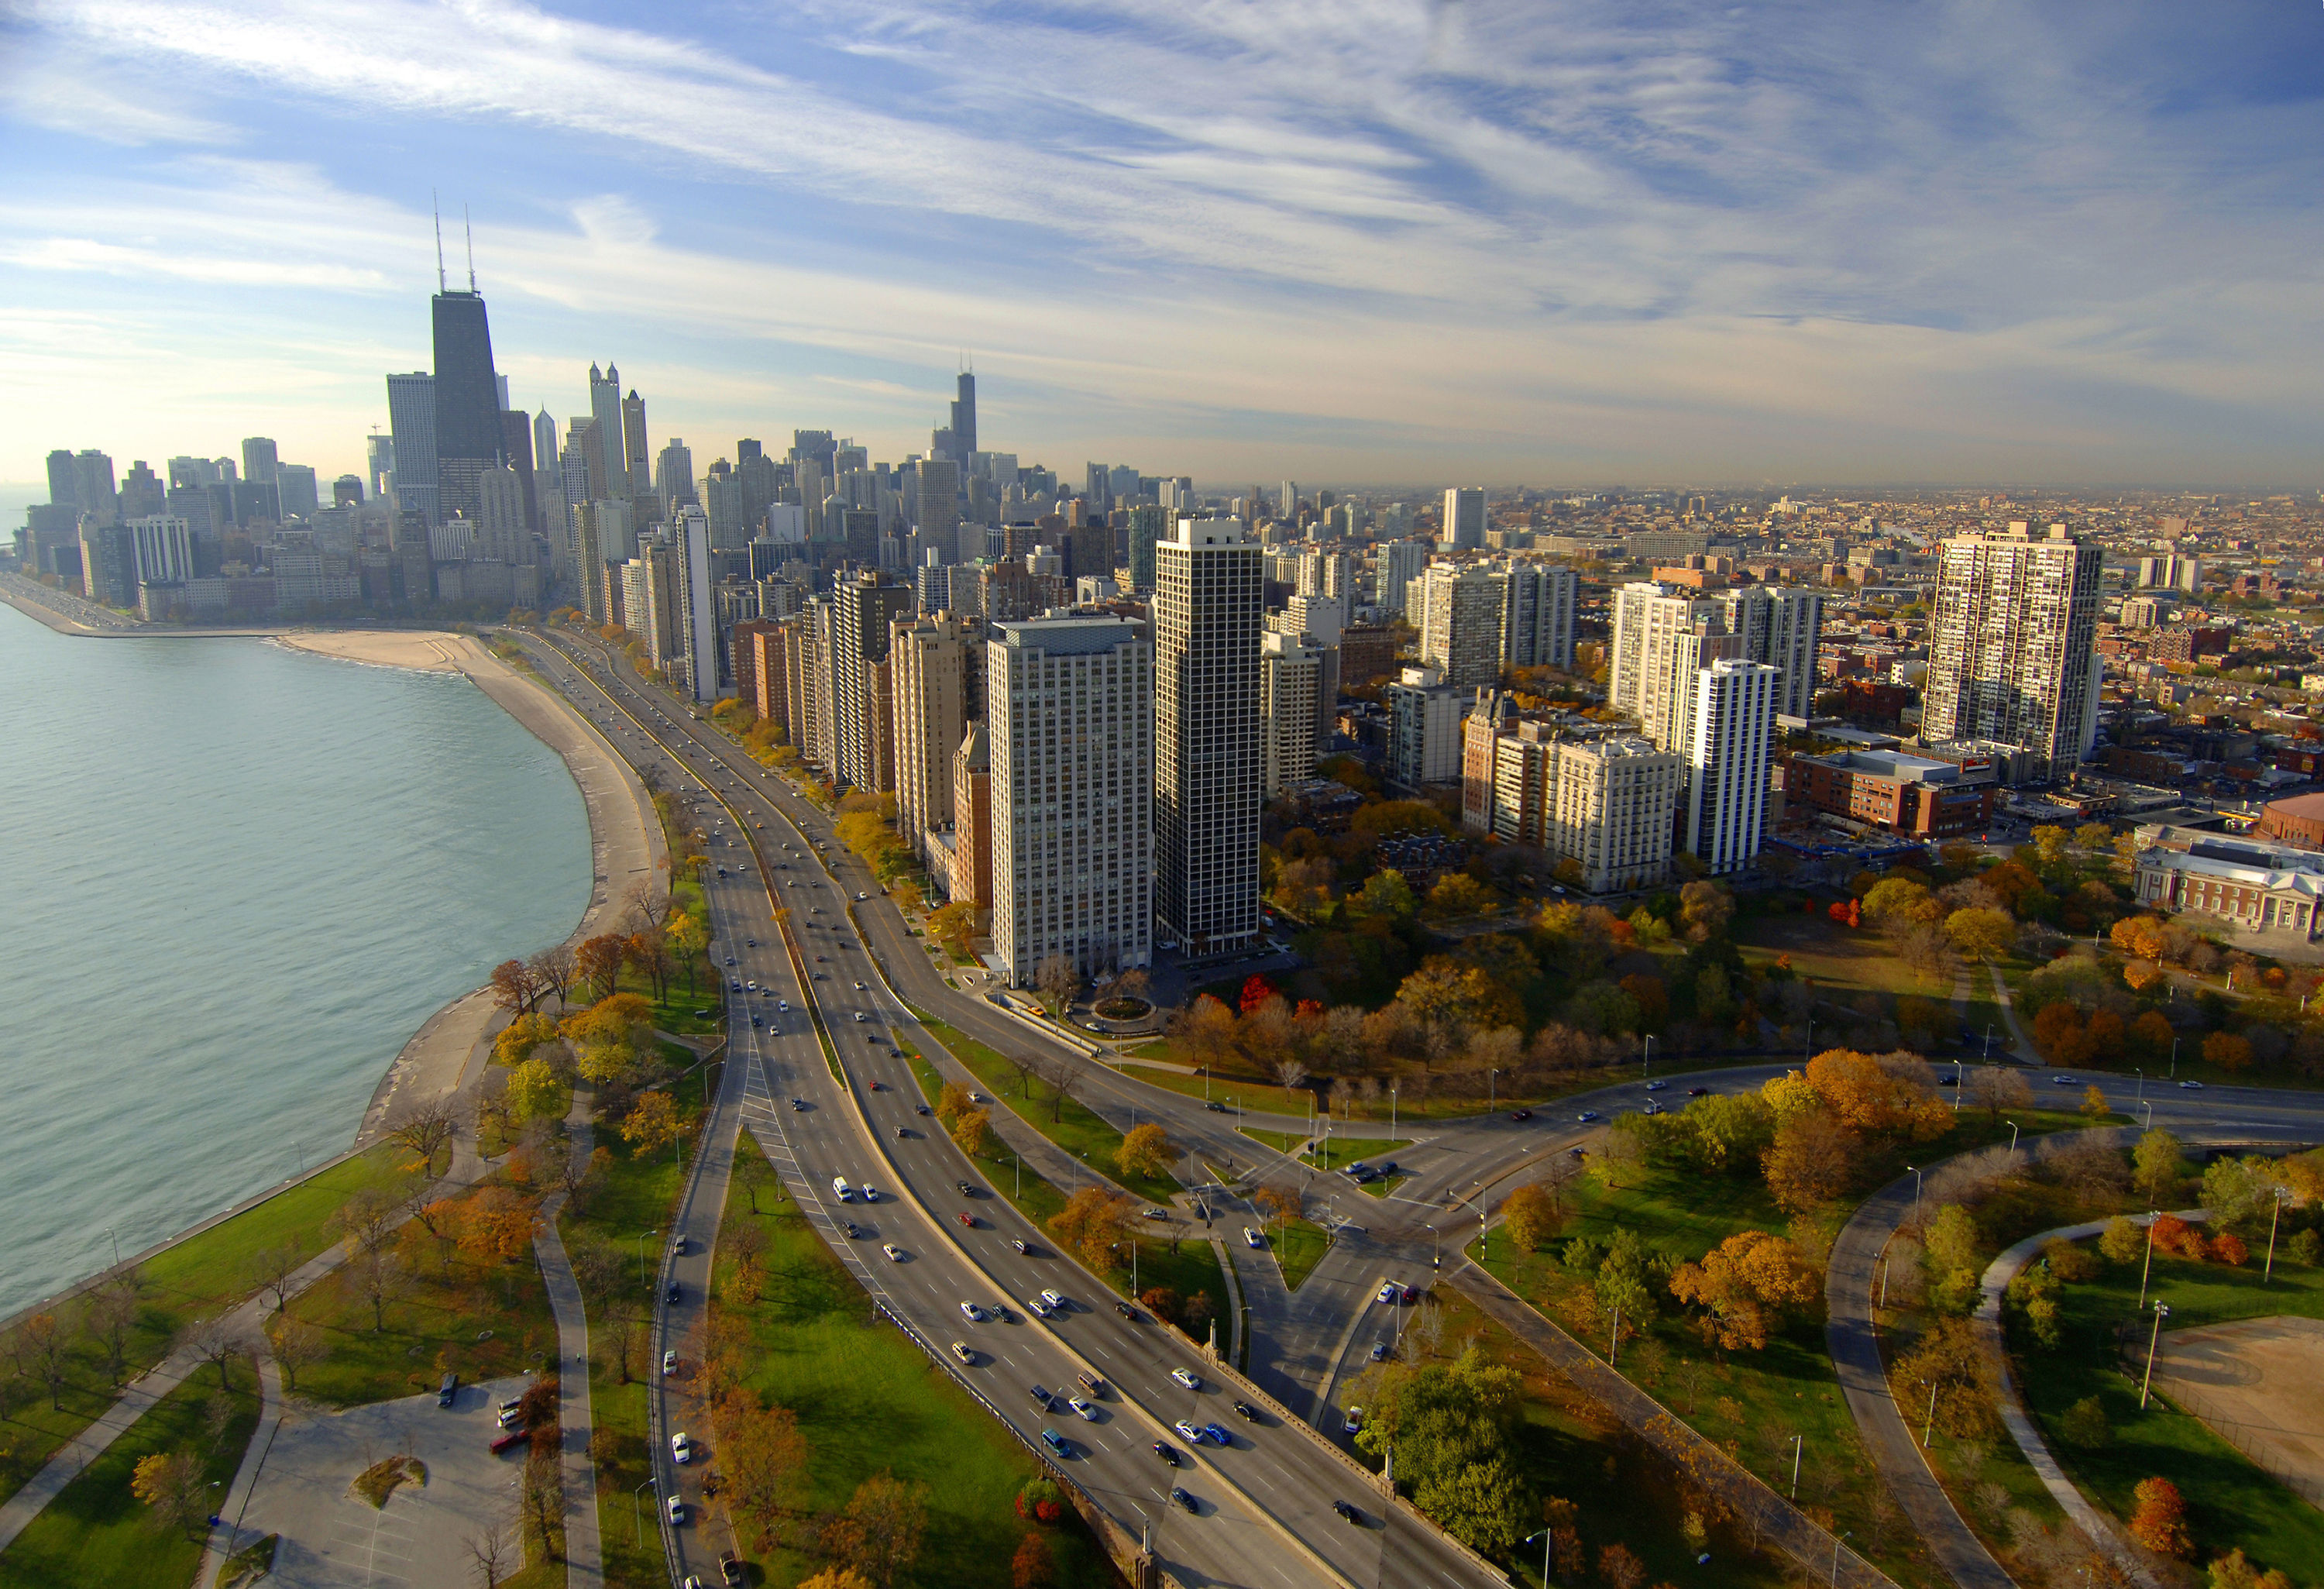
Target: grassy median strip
[1064, 1121]
[867, 1401]
[97, 1532]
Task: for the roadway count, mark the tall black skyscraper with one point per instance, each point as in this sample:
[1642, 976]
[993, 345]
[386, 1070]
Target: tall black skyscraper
[964, 423]
[469, 439]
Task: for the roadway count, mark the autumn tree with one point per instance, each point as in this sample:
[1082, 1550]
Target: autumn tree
[552, 968]
[1529, 1215]
[1032, 1567]
[837, 1579]
[879, 1533]
[1948, 1358]
[598, 960]
[497, 1225]
[1811, 1161]
[111, 1318]
[1205, 1031]
[424, 1130]
[972, 1133]
[1892, 1095]
[533, 1092]
[687, 937]
[1746, 1285]
[2158, 1517]
[380, 1278]
[652, 1123]
[515, 987]
[1705, 908]
[2235, 1571]
[42, 1349]
[1981, 934]
[2094, 1103]
[2156, 1167]
[1148, 1150]
[172, 1485]
[1093, 1219]
[298, 1344]
[762, 1458]
[953, 927]
[2228, 1051]
[1619, 1567]
[1996, 1088]
[1059, 981]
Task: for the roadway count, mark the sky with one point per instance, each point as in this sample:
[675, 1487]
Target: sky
[1355, 242]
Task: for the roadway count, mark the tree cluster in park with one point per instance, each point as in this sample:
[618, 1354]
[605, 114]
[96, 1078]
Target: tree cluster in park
[867, 825]
[1452, 1427]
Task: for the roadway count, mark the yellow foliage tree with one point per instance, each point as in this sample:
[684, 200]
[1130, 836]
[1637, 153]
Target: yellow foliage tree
[1745, 1286]
[1790, 1095]
[1147, 1150]
[1529, 1215]
[1866, 1095]
[522, 1036]
[532, 1091]
[652, 1123]
[971, 1129]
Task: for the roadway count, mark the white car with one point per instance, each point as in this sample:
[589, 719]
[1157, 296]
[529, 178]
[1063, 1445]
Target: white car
[669, 1362]
[895, 1254]
[860, 894]
[1040, 1309]
[1188, 1377]
[972, 1312]
[871, 1193]
[681, 1449]
[960, 1350]
[1053, 1298]
[1188, 1432]
[1251, 1238]
[1354, 1421]
[677, 1512]
[1081, 1407]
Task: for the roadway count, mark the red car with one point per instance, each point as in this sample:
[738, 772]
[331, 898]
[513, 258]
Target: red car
[875, 1086]
[968, 1219]
[514, 1437]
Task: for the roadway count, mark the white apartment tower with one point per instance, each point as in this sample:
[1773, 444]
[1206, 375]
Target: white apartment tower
[1399, 564]
[2012, 659]
[1464, 518]
[1460, 624]
[1207, 621]
[1069, 721]
[1537, 615]
[1780, 628]
[1612, 803]
[1289, 675]
[1732, 722]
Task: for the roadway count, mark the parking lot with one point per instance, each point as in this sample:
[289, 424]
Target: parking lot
[333, 1538]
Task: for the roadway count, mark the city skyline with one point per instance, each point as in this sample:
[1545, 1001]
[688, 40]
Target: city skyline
[1556, 247]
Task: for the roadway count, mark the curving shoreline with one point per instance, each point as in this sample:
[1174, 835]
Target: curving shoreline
[449, 1051]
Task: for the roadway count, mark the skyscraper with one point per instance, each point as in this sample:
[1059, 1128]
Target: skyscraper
[1069, 719]
[64, 486]
[864, 607]
[93, 487]
[937, 511]
[1148, 525]
[1780, 628]
[611, 475]
[929, 659]
[411, 417]
[544, 454]
[468, 440]
[2013, 657]
[1537, 615]
[674, 476]
[963, 421]
[1460, 624]
[1732, 726]
[1207, 621]
[1289, 671]
[258, 459]
[1464, 518]
[639, 461]
[699, 620]
[379, 462]
[1400, 563]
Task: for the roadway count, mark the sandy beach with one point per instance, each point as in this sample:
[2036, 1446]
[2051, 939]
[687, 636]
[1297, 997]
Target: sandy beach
[425, 650]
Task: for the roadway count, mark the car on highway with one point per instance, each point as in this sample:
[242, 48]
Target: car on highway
[1123, 1308]
[1656, 1086]
[841, 1189]
[1390, 1292]
[966, 1191]
[1168, 1453]
[895, 1254]
[859, 988]
[1188, 1431]
[1057, 1444]
[1349, 1513]
[756, 1021]
[1651, 1108]
[1040, 1394]
[783, 1004]
[1251, 1238]
[1520, 1114]
[1020, 1246]
[854, 1232]
[750, 943]
[1247, 1412]
[1055, 1299]
[681, 1448]
[677, 1512]
[1183, 1499]
[860, 894]
[973, 1313]
[1354, 1421]
[730, 959]
[799, 1105]
[730, 1571]
[669, 1362]
[1698, 1091]
[1214, 1106]
[966, 1218]
[2192, 1086]
[1157, 1213]
[1083, 1407]
[902, 1134]
[1586, 1116]
[1040, 1309]
[449, 1391]
[1379, 1350]
[1188, 1377]
[922, 1109]
[871, 1193]
[959, 1349]
[1218, 1435]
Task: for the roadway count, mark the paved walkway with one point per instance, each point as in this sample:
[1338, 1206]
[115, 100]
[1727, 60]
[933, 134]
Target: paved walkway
[1770, 1518]
[584, 1558]
[2017, 1040]
[2020, 1424]
[1854, 1340]
[273, 1406]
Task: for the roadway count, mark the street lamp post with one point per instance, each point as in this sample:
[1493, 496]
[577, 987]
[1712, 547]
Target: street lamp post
[2149, 1107]
[1960, 1068]
[1930, 1427]
[2147, 1268]
[1391, 1110]
[1835, 1558]
[1646, 1061]
[637, 1524]
[1492, 1088]
[1988, 1042]
[2140, 1097]
[1799, 1443]
[2175, 1058]
[643, 1237]
[2274, 1215]
[1436, 1249]
[1545, 1543]
[2161, 1312]
[2012, 1137]
[1917, 1178]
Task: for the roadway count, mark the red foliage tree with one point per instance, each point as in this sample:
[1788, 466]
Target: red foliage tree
[1254, 992]
[2159, 1521]
[2229, 1248]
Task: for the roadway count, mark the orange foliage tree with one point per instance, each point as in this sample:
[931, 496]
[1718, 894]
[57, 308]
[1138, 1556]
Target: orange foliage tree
[1745, 1286]
[2159, 1519]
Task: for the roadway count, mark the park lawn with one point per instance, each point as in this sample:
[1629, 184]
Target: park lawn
[1065, 1121]
[2230, 1502]
[1750, 1402]
[1298, 1246]
[97, 1532]
[480, 1322]
[868, 1399]
[1569, 1448]
[201, 1276]
[1833, 956]
[1384, 1184]
[635, 1198]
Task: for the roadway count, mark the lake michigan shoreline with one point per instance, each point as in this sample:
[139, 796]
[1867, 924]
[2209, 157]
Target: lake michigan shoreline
[448, 1052]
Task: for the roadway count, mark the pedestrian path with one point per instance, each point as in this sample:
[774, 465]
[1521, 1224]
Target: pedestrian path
[584, 1556]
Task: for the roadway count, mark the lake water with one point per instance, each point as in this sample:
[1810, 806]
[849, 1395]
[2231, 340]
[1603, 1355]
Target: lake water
[234, 880]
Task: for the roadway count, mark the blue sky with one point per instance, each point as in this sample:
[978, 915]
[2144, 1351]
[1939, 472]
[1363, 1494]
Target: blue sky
[1355, 240]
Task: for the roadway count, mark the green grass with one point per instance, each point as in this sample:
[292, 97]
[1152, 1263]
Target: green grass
[636, 1196]
[1836, 957]
[197, 1278]
[1384, 1186]
[868, 1399]
[97, 1532]
[1071, 1127]
[481, 1324]
[1299, 1245]
[2230, 1502]
[1331, 1152]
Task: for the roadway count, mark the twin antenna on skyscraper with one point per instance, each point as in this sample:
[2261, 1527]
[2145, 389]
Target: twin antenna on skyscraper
[441, 284]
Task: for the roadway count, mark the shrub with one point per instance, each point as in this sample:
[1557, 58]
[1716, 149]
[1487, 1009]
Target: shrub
[2084, 1424]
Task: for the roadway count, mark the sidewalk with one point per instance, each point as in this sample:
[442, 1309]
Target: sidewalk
[584, 1556]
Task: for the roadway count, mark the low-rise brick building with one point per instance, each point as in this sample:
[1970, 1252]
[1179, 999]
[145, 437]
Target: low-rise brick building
[1890, 789]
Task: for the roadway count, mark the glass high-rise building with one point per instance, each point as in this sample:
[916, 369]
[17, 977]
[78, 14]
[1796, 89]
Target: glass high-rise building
[468, 433]
[1207, 621]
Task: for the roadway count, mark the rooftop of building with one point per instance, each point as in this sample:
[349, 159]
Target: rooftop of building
[2307, 807]
[1899, 766]
[2232, 860]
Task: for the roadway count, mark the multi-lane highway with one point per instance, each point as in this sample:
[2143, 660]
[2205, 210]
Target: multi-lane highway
[1272, 1485]
[1258, 1508]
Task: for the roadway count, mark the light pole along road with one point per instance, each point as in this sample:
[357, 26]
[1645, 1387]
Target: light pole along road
[1307, 1338]
[1264, 1505]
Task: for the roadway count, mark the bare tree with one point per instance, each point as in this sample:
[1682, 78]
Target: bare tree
[1060, 1071]
[491, 1552]
[1027, 1067]
[542, 1493]
[1290, 1073]
[379, 1278]
[1060, 981]
[41, 1350]
[272, 1268]
[553, 968]
[649, 905]
[213, 1340]
[298, 1345]
[368, 1217]
[112, 1315]
[620, 1335]
[426, 1129]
